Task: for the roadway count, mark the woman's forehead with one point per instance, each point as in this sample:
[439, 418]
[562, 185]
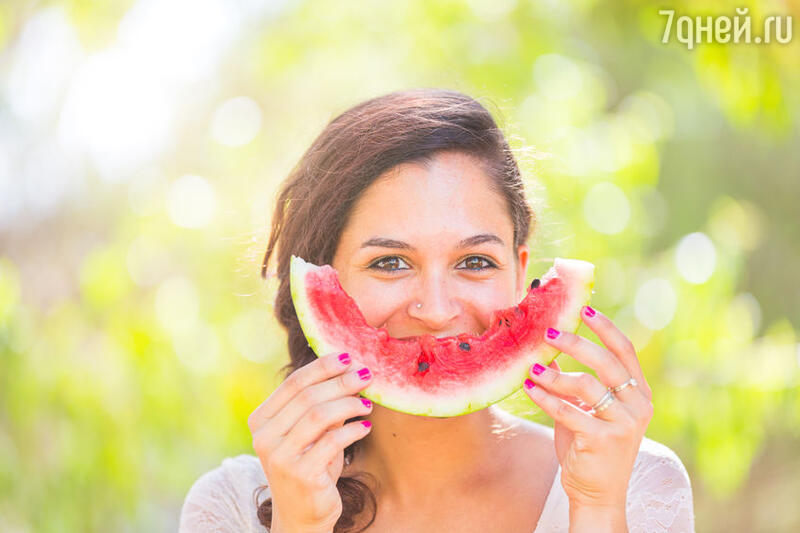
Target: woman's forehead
[452, 193]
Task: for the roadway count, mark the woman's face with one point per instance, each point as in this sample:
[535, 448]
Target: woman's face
[438, 236]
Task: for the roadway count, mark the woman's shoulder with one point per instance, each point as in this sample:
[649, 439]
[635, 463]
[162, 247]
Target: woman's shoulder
[655, 456]
[223, 498]
[659, 496]
[652, 454]
[233, 475]
[246, 465]
[659, 491]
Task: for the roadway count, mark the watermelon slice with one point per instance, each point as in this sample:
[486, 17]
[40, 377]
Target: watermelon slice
[445, 376]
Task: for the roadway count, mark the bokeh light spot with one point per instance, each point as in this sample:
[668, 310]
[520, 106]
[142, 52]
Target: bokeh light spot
[488, 10]
[655, 303]
[696, 257]
[738, 224]
[252, 334]
[606, 208]
[650, 211]
[648, 116]
[558, 77]
[743, 318]
[47, 51]
[191, 202]
[178, 49]
[198, 349]
[612, 281]
[236, 122]
[177, 304]
[117, 113]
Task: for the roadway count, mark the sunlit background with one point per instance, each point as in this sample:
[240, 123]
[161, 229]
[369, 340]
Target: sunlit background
[141, 144]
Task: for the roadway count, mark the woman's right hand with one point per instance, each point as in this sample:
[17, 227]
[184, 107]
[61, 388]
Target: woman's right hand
[299, 436]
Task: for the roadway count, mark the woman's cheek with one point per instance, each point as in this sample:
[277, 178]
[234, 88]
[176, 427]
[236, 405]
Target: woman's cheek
[482, 297]
[487, 306]
[379, 303]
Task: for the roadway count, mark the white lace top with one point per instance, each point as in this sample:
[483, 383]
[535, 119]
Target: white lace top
[659, 497]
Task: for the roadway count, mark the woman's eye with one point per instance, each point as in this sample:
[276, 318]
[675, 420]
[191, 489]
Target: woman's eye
[394, 263]
[387, 264]
[478, 263]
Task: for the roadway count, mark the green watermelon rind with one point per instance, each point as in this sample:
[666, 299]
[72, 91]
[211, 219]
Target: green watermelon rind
[478, 395]
[298, 268]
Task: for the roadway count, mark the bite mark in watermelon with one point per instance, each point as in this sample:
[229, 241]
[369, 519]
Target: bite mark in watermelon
[446, 376]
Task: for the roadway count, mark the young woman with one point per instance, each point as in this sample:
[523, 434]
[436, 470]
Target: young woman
[416, 200]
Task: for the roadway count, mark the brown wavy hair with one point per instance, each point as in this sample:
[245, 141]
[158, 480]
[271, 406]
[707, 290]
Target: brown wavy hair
[316, 198]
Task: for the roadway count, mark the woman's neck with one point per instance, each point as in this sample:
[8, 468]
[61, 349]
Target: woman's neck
[414, 457]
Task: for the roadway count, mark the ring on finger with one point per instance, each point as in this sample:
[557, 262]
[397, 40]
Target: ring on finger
[607, 399]
[630, 382]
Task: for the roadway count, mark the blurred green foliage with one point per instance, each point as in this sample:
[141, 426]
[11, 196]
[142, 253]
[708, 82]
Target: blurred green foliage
[136, 335]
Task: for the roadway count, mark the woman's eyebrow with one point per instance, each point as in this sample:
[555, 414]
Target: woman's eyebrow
[400, 245]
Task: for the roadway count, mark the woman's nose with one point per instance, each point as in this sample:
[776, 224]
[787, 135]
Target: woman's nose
[434, 303]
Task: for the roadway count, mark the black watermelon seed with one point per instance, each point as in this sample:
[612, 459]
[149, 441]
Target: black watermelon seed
[507, 322]
[535, 283]
[464, 346]
[423, 366]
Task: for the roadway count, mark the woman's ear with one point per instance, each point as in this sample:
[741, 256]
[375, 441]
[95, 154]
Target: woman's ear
[522, 272]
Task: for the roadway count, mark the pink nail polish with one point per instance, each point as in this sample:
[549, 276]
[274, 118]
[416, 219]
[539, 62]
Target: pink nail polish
[366, 402]
[552, 333]
[538, 369]
[529, 384]
[345, 358]
[366, 423]
[588, 311]
[364, 374]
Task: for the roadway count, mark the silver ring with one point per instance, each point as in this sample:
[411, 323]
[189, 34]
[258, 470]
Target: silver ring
[605, 401]
[626, 384]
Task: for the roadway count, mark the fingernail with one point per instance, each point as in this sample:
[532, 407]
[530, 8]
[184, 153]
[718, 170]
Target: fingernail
[364, 374]
[345, 358]
[529, 384]
[366, 402]
[588, 311]
[366, 423]
[538, 369]
[552, 333]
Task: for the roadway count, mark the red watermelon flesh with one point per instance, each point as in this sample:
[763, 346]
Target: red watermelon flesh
[445, 376]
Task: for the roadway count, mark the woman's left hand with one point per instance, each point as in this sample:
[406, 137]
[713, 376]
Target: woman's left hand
[596, 450]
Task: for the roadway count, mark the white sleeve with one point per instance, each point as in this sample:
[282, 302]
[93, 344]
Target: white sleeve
[215, 503]
[659, 493]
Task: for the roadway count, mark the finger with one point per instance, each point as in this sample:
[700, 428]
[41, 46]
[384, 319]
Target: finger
[580, 384]
[317, 396]
[327, 448]
[619, 344]
[574, 400]
[321, 418]
[560, 411]
[320, 370]
[608, 367]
